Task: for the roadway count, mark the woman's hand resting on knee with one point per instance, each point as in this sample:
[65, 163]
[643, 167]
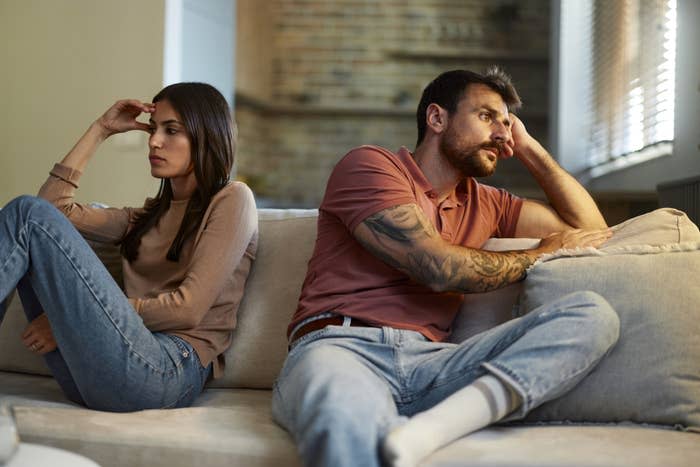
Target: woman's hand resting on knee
[38, 336]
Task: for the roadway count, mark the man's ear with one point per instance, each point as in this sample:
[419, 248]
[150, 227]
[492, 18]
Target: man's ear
[436, 118]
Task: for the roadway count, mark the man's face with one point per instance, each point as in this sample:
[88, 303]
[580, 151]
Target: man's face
[476, 132]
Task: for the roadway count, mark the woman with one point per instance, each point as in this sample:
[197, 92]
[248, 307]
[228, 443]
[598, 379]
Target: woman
[186, 256]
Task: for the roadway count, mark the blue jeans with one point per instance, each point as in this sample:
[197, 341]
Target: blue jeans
[106, 358]
[343, 388]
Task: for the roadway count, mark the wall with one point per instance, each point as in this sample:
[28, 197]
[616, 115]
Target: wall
[199, 43]
[571, 50]
[316, 78]
[64, 62]
[254, 49]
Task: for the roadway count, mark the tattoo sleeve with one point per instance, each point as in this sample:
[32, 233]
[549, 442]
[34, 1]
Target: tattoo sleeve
[404, 238]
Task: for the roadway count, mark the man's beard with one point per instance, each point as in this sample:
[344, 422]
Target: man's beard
[467, 159]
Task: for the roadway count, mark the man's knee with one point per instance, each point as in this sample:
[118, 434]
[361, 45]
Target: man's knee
[599, 319]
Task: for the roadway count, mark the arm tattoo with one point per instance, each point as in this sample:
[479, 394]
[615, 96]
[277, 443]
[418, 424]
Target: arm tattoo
[398, 237]
[400, 223]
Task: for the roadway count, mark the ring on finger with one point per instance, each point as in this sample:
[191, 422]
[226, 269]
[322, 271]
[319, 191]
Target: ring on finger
[35, 347]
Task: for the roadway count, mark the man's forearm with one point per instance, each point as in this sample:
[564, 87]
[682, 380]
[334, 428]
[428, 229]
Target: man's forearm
[565, 194]
[467, 270]
[403, 238]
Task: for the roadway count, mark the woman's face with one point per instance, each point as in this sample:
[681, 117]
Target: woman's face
[169, 146]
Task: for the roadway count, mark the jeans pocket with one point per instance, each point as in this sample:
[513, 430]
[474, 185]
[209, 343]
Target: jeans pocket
[188, 372]
[179, 351]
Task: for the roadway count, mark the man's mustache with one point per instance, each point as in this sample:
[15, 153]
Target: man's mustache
[497, 147]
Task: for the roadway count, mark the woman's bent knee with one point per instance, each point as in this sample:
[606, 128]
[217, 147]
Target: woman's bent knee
[26, 204]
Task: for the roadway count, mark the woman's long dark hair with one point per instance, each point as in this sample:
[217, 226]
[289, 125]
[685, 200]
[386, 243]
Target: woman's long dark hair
[207, 119]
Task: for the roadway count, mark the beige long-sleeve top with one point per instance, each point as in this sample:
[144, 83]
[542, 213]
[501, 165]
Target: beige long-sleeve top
[196, 298]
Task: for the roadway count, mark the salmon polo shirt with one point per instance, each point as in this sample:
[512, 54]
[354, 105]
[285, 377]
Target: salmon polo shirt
[344, 278]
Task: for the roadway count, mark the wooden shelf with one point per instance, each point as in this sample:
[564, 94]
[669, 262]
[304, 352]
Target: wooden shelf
[455, 54]
[345, 110]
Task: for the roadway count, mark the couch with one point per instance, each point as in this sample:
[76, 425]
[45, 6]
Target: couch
[231, 423]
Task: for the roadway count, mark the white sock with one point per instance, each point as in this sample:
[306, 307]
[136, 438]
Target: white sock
[482, 403]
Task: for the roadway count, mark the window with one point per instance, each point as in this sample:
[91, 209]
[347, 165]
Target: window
[624, 52]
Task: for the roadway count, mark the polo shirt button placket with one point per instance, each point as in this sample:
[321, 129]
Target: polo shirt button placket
[446, 234]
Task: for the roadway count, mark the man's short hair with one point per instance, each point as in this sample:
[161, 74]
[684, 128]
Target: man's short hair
[448, 89]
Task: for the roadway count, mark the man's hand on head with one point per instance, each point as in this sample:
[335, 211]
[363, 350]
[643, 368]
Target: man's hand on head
[521, 143]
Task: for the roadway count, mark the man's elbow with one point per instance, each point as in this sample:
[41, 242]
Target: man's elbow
[439, 286]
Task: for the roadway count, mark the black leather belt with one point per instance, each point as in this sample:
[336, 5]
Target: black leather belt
[321, 323]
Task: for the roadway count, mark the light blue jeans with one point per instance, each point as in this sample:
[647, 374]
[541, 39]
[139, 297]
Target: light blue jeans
[343, 388]
[106, 358]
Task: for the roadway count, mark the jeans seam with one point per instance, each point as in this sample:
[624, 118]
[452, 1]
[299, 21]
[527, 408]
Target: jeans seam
[22, 232]
[181, 396]
[281, 405]
[87, 283]
[414, 396]
[9, 258]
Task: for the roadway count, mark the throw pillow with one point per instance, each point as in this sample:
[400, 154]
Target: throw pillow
[666, 225]
[482, 311]
[652, 375]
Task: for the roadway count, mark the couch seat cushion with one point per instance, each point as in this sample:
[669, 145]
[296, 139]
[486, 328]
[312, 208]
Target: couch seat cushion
[571, 446]
[224, 427]
[234, 427]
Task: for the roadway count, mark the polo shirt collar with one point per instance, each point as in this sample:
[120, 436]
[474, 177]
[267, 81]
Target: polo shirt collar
[458, 196]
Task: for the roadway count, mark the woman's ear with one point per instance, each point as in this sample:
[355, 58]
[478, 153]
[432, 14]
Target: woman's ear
[436, 118]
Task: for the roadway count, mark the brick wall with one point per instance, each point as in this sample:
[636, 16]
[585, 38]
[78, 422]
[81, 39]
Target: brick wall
[341, 73]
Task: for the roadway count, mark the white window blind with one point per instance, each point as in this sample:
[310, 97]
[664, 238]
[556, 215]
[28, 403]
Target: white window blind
[630, 101]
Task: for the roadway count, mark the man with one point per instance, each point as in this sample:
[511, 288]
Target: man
[368, 377]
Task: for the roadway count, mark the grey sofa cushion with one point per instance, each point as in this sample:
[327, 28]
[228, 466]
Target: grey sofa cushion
[482, 311]
[260, 340]
[653, 373]
[659, 227]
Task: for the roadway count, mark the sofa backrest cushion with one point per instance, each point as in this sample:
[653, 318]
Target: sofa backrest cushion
[286, 241]
[285, 245]
[482, 311]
